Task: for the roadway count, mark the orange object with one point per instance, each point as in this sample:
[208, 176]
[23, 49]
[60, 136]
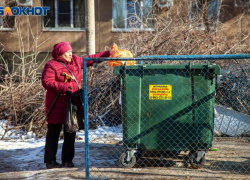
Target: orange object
[120, 53]
[67, 77]
[115, 63]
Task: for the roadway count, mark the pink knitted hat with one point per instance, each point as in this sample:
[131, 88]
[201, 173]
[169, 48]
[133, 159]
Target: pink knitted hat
[60, 48]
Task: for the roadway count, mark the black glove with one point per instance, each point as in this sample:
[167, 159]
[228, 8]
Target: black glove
[69, 91]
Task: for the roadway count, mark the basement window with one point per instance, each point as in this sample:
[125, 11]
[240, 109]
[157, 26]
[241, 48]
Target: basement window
[204, 14]
[241, 3]
[129, 15]
[64, 15]
[7, 23]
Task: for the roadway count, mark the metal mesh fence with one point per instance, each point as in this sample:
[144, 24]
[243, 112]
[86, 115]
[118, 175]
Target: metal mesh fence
[168, 117]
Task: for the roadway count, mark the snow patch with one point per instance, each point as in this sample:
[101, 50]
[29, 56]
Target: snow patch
[231, 122]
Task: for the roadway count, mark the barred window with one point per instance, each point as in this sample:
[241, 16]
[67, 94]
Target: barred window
[242, 3]
[132, 14]
[64, 14]
[204, 13]
[7, 22]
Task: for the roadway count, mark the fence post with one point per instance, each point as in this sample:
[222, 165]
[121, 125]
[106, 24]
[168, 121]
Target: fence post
[85, 96]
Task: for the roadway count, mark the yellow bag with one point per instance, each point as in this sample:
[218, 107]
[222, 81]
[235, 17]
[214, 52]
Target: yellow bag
[120, 53]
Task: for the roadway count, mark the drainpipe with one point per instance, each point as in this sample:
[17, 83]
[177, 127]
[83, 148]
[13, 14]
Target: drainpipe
[90, 26]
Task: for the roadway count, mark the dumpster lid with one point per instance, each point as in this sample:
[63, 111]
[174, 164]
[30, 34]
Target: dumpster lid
[217, 70]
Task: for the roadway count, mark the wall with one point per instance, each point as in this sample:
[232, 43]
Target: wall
[28, 37]
[29, 26]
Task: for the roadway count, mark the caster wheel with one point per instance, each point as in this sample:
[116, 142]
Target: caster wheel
[193, 160]
[127, 164]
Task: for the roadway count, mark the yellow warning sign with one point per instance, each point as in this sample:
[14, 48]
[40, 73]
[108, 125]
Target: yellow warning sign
[160, 92]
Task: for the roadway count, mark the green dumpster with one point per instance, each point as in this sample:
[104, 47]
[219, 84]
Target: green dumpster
[167, 108]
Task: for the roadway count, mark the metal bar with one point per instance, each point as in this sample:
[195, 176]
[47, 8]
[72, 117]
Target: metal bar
[56, 14]
[179, 57]
[71, 14]
[200, 57]
[139, 103]
[85, 97]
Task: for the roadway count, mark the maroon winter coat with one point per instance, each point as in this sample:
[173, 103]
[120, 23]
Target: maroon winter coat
[53, 82]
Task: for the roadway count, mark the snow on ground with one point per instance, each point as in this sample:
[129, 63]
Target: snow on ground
[26, 148]
[231, 122]
[18, 140]
[102, 133]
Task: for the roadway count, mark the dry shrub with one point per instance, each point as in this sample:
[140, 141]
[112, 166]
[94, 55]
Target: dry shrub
[103, 94]
[21, 94]
[175, 34]
[22, 104]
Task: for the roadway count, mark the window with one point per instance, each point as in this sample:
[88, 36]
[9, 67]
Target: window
[64, 15]
[7, 22]
[132, 14]
[241, 3]
[204, 13]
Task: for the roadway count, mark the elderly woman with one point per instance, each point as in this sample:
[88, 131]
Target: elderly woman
[54, 82]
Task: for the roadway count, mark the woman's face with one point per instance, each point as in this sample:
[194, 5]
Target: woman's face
[67, 56]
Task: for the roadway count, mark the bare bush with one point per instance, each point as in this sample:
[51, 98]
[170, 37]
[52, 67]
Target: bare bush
[176, 34]
[21, 95]
[103, 98]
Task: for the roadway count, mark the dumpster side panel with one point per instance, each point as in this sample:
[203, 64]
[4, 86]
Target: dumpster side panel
[131, 108]
[204, 91]
[167, 124]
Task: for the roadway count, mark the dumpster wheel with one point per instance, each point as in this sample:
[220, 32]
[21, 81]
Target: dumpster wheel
[127, 164]
[193, 160]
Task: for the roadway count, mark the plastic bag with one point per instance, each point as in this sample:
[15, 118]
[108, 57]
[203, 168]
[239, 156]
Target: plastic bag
[74, 121]
[120, 53]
